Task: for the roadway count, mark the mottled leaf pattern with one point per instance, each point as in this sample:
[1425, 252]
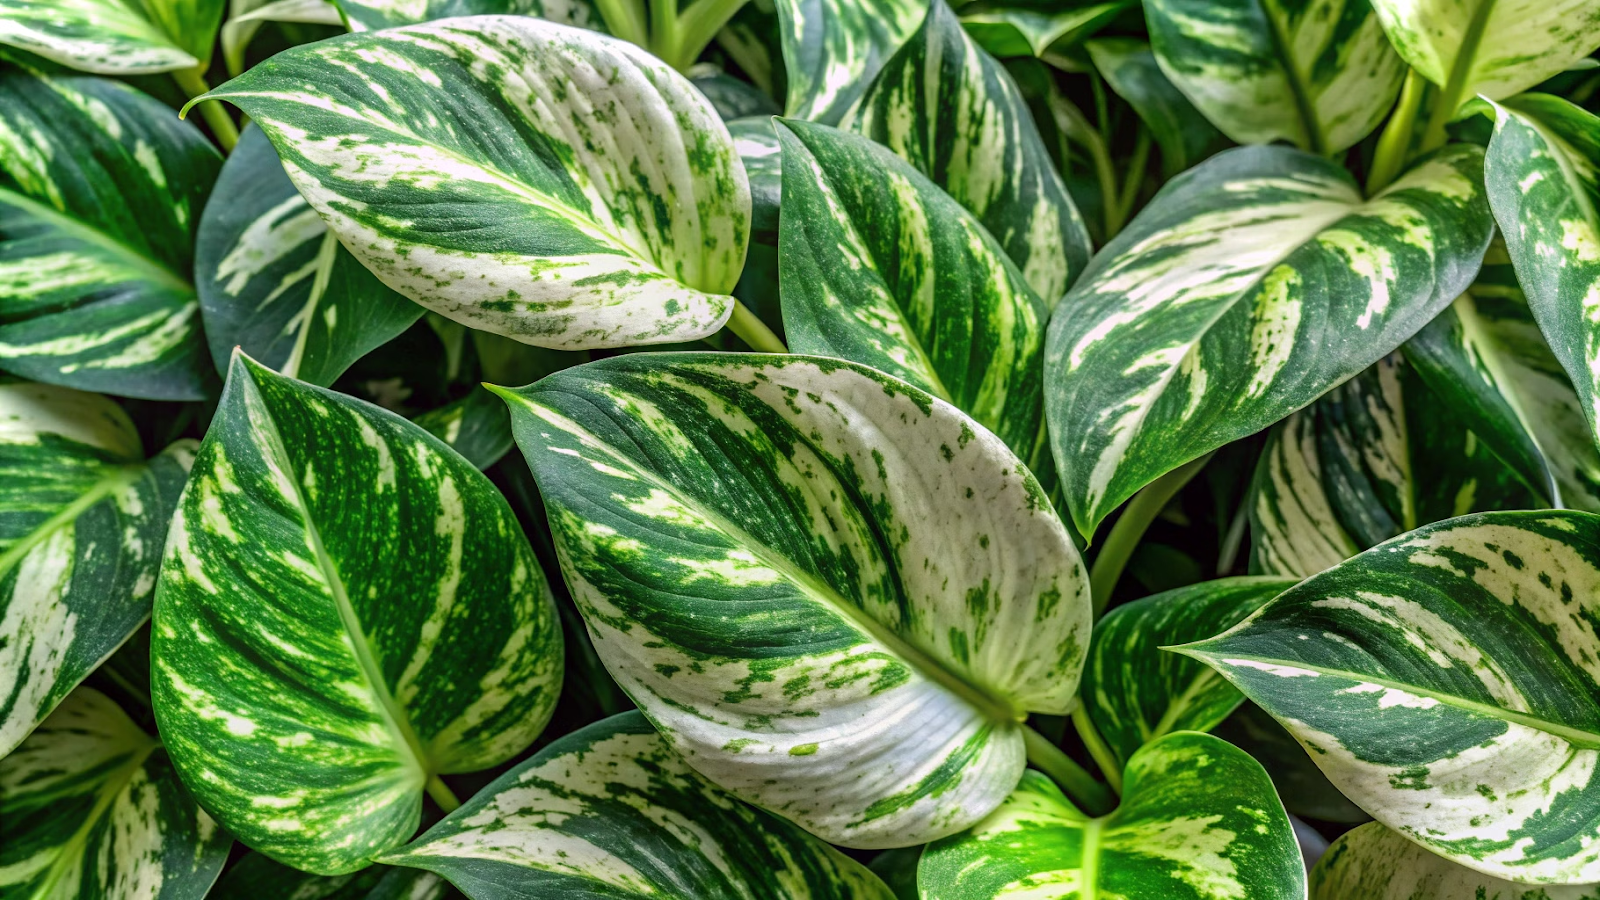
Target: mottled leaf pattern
[241, 27]
[371, 15]
[475, 426]
[1491, 47]
[346, 608]
[113, 37]
[757, 146]
[256, 876]
[834, 594]
[1374, 863]
[1184, 135]
[833, 48]
[1021, 31]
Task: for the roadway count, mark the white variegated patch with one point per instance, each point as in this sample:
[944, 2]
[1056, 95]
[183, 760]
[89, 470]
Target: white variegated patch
[1495, 48]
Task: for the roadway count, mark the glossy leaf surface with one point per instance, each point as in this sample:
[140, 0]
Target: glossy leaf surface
[1375, 863]
[112, 37]
[371, 15]
[1184, 135]
[1495, 48]
[256, 876]
[832, 49]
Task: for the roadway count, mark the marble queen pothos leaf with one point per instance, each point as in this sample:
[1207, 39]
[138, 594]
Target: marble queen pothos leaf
[100, 189]
[276, 283]
[93, 810]
[1375, 863]
[1199, 820]
[82, 519]
[1318, 73]
[833, 48]
[836, 595]
[257, 877]
[1446, 682]
[113, 37]
[611, 811]
[508, 173]
[1179, 337]
[1493, 48]
[951, 110]
[371, 15]
[347, 608]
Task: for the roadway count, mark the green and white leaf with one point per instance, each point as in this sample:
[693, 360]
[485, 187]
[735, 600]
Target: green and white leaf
[347, 609]
[100, 189]
[1250, 285]
[733, 98]
[113, 37]
[94, 811]
[951, 110]
[878, 266]
[82, 519]
[757, 145]
[1446, 682]
[276, 283]
[1374, 863]
[612, 811]
[476, 426]
[1023, 31]
[1135, 692]
[546, 222]
[255, 876]
[832, 49]
[1184, 135]
[371, 15]
[1198, 821]
[836, 595]
[1305, 791]
[1493, 48]
[1317, 73]
[246, 17]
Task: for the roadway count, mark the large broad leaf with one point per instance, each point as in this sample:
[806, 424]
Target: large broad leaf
[100, 188]
[836, 595]
[1305, 791]
[1249, 286]
[255, 876]
[1374, 863]
[347, 609]
[114, 37]
[949, 109]
[276, 283]
[1320, 74]
[1447, 682]
[1025, 31]
[833, 48]
[1495, 48]
[93, 810]
[1198, 821]
[880, 267]
[610, 211]
[1184, 135]
[82, 521]
[370, 15]
[1135, 692]
[246, 18]
[612, 811]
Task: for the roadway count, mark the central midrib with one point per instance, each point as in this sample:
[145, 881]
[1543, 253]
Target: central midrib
[1317, 141]
[152, 269]
[103, 798]
[1089, 882]
[118, 478]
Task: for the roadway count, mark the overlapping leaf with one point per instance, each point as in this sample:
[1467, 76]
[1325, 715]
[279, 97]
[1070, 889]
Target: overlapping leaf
[1447, 682]
[246, 18]
[1495, 48]
[370, 15]
[100, 188]
[1022, 31]
[514, 175]
[113, 37]
[1374, 863]
[82, 521]
[948, 108]
[833, 48]
[1249, 286]
[1184, 135]
[836, 595]
[1198, 821]
[612, 811]
[757, 146]
[347, 608]
[256, 876]
[475, 426]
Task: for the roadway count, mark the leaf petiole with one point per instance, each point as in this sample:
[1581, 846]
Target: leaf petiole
[441, 794]
[754, 332]
[1395, 143]
[1097, 748]
[193, 83]
[1131, 526]
[1090, 796]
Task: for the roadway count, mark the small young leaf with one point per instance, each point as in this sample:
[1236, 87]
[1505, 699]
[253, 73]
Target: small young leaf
[833, 48]
[1495, 48]
[1375, 863]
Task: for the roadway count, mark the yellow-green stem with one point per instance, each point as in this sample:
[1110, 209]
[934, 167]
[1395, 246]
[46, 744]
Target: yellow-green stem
[442, 795]
[1081, 788]
[1131, 526]
[1097, 748]
[193, 83]
[697, 27]
[1450, 98]
[1395, 143]
[625, 19]
[754, 332]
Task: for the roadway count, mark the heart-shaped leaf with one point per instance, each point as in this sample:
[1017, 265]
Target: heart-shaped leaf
[1198, 821]
[371, 15]
[277, 284]
[611, 811]
[880, 267]
[543, 220]
[948, 108]
[113, 37]
[1184, 135]
[1179, 338]
[1320, 75]
[82, 520]
[1495, 48]
[93, 810]
[833, 48]
[1446, 681]
[347, 609]
[256, 876]
[1374, 863]
[836, 595]
[100, 187]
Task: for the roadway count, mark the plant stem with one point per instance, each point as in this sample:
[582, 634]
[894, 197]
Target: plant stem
[442, 795]
[1097, 748]
[1395, 143]
[1133, 178]
[754, 332]
[1081, 788]
[193, 83]
[1454, 91]
[698, 25]
[664, 30]
[1131, 525]
[625, 19]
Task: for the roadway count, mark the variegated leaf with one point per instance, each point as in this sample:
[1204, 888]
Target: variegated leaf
[1318, 73]
[612, 811]
[731, 97]
[757, 146]
[1374, 863]
[100, 189]
[113, 37]
[371, 15]
[1135, 692]
[1305, 791]
[1374, 457]
[1249, 286]
[833, 48]
[82, 521]
[475, 426]
[1447, 682]
[1199, 820]
[836, 595]
[1495, 48]
[276, 283]
[1184, 135]
[93, 810]
[509, 173]
[948, 108]
[347, 609]
[256, 877]
[1024, 31]
[879, 266]
[246, 18]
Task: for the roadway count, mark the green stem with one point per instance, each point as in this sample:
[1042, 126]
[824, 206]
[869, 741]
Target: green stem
[1097, 748]
[193, 83]
[1081, 788]
[1132, 179]
[754, 332]
[1395, 143]
[699, 25]
[1450, 98]
[442, 795]
[1131, 525]
[664, 30]
[625, 19]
